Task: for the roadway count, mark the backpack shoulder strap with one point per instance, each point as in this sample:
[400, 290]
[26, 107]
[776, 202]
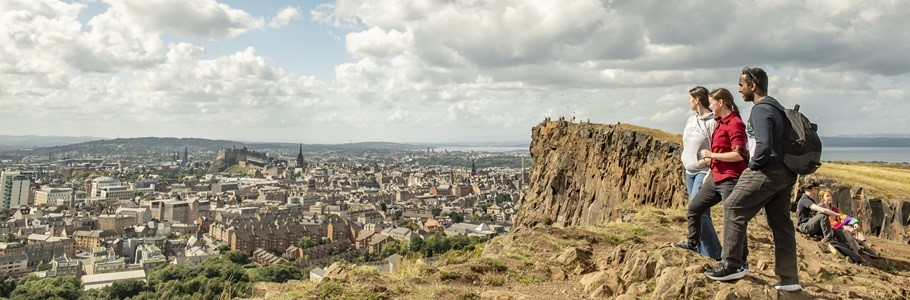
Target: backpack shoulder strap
[781, 109]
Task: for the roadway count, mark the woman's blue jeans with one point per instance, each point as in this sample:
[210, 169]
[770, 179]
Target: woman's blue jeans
[709, 245]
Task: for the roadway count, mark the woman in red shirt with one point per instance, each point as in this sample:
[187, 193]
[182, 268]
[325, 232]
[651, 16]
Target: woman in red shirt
[727, 160]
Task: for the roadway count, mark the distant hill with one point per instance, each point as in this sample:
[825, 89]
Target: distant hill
[135, 146]
[155, 147]
[877, 135]
[32, 141]
[857, 141]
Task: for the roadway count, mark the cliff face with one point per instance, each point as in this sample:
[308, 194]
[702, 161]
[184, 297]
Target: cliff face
[582, 173]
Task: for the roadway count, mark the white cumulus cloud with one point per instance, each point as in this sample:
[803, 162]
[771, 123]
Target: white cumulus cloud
[285, 16]
[193, 18]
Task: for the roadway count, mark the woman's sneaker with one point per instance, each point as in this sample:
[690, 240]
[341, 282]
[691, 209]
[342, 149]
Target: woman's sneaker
[686, 245]
[726, 273]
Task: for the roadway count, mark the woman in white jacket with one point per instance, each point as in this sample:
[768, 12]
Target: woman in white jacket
[697, 137]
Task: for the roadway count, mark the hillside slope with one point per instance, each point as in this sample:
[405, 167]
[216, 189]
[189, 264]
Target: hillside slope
[628, 259]
[603, 205]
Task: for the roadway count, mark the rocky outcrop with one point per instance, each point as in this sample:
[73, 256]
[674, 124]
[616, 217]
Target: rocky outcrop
[590, 174]
[584, 174]
[885, 218]
[227, 157]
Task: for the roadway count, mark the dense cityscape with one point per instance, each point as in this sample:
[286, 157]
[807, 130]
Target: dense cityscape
[113, 218]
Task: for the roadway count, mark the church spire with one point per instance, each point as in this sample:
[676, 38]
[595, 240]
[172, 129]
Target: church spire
[473, 168]
[300, 162]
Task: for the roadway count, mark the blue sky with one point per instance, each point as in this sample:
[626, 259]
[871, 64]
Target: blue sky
[430, 71]
[302, 47]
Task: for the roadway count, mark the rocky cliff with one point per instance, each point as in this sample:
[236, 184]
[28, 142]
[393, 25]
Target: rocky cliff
[586, 174]
[590, 174]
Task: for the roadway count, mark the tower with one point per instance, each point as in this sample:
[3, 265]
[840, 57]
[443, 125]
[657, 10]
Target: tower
[300, 162]
[473, 168]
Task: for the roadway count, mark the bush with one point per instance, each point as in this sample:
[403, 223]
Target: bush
[123, 289]
[31, 287]
[237, 257]
[488, 265]
[275, 273]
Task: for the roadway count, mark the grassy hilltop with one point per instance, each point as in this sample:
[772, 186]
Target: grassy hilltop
[891, 181]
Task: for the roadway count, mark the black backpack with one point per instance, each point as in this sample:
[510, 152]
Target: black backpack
[803, 147]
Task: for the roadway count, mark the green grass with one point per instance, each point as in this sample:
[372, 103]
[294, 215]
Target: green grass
[618, 233]
[521, 257]
[447, 276]
[235, 169]
[494, 280]
[888, 181]
[528, 278]
[488, 265]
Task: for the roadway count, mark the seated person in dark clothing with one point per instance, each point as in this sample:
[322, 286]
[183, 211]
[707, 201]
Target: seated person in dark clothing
[811, 218]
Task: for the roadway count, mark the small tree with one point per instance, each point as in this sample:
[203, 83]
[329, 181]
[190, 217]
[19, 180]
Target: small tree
[7, 285]
[62, 287]
[393, 247]
[237, 257]
[223, 248]
[9, 237]
[123, 289]
[456, 217]
[304, 242]
[275, 273]
[332, 217]
[502, 198]
[416, 244]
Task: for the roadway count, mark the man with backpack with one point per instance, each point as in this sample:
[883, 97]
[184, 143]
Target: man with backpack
[767, 183]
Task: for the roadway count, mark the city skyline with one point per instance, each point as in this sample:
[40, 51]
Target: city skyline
[433, 71]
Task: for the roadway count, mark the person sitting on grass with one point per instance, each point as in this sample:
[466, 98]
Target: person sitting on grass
[846, 227]
[811, 218]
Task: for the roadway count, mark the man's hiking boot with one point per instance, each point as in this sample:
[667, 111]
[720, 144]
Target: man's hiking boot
[832, 249]
[795, 287]
[686, 245]
[726, 273]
